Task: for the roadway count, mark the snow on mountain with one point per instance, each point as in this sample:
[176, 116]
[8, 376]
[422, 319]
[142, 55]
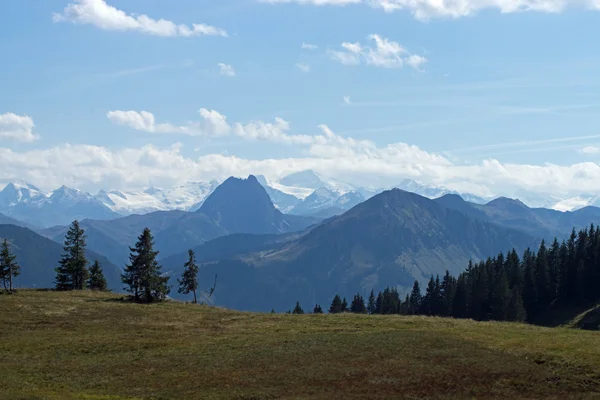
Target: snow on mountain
[187, 197]
[19, 192]
[434, 192]
[325, 199]
[283, 201]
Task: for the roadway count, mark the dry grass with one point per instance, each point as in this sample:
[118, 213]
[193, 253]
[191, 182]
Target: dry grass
[93, 346]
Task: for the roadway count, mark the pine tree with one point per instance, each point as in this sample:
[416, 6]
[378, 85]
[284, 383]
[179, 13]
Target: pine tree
[415, 299]
[96, 281]
[344, 305]
[72, 273]
[447, 294]
[317, 309]
[142, 276]
[371, 306]
[189, 279]
[516, 310]
[358, 305]
[336, 305]
[8, 267]
[298, 309]
[272, 311]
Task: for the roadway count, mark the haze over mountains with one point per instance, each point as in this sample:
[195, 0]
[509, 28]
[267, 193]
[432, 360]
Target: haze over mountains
[302, 193]
[334, 239]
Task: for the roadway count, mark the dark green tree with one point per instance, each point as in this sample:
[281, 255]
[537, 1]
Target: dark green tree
[317, 309]
[189, 279]
[415, 299]
[142, 276]
[72, 273]
[344, 305]
[371, 305]
[516, 310]
[8, 266]
[336, 305]
[358, 304]
[97, 281]
[298, 309]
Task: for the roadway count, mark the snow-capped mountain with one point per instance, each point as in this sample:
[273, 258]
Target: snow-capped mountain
[433, 192]
[326, 202]
[27, 203]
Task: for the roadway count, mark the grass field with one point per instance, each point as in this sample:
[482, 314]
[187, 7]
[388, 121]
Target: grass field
[85, 345]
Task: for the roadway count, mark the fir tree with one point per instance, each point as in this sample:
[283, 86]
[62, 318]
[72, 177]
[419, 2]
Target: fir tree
[189, 279]
[142, 276]
[358, 305]
[272, 311]
[516, 310]
[336, 305]
[8, 266]
[96, 281]
[415, 299]
[298, 309]
[371, 305]
[72, 273]
[317, 309]
[344, 305]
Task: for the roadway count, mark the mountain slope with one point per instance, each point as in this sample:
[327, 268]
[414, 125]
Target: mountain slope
[391, 239]
[539, 222]
[236, 206]
[38, 256]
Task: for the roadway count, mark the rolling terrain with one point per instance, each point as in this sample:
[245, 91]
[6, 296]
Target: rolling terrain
[77, 346]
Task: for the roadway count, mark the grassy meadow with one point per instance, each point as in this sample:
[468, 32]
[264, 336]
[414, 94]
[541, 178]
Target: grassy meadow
[84, 345]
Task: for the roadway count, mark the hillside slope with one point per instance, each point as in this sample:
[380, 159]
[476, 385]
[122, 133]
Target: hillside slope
[77, 345]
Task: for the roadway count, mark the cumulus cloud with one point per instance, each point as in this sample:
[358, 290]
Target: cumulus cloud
[347, 100]
[107, 17]
[18, 128]
[303, 67]
[226, 69]
[428, 9]
[385, 54]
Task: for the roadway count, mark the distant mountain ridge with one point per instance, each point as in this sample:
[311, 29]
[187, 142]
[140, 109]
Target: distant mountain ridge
[393, 238]
[235, 206]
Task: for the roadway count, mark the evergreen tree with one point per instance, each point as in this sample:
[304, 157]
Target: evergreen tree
[8, 266]
[447, 294]
[500, 297]
[298, 309]
[516, 310]
[344, 305]
[189, 279]
[379, 304]
[317, 309]
[429, 300]
[72, 273]
[336, 305]
[358, 304]
[142, 276]
[96, 281]
[415, 299]
[272, 311]
[371, 305]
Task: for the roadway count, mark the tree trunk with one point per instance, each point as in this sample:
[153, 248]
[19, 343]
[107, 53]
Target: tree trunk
[195, 301]
[10, 277]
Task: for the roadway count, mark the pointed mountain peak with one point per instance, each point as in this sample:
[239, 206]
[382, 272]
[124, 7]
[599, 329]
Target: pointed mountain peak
[152, 190]
[242, 205]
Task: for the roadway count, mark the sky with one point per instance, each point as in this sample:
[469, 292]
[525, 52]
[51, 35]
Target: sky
[490, 97]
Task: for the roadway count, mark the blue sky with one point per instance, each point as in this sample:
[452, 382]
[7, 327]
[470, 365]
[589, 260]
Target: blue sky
[475, 96]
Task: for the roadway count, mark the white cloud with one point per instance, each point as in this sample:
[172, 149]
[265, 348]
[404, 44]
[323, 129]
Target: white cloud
[212, 123]
[303, 67]
[360, 161]
[308, 46]
[226, 69]
[18, 128]
[590, 150]
[416, 61]
[427, 9]
[347, 100]
[385, 54]
[107, 17]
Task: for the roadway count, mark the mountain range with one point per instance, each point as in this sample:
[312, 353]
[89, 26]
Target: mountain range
[265, 258]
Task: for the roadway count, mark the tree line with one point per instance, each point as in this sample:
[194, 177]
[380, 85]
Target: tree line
[502, 288]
